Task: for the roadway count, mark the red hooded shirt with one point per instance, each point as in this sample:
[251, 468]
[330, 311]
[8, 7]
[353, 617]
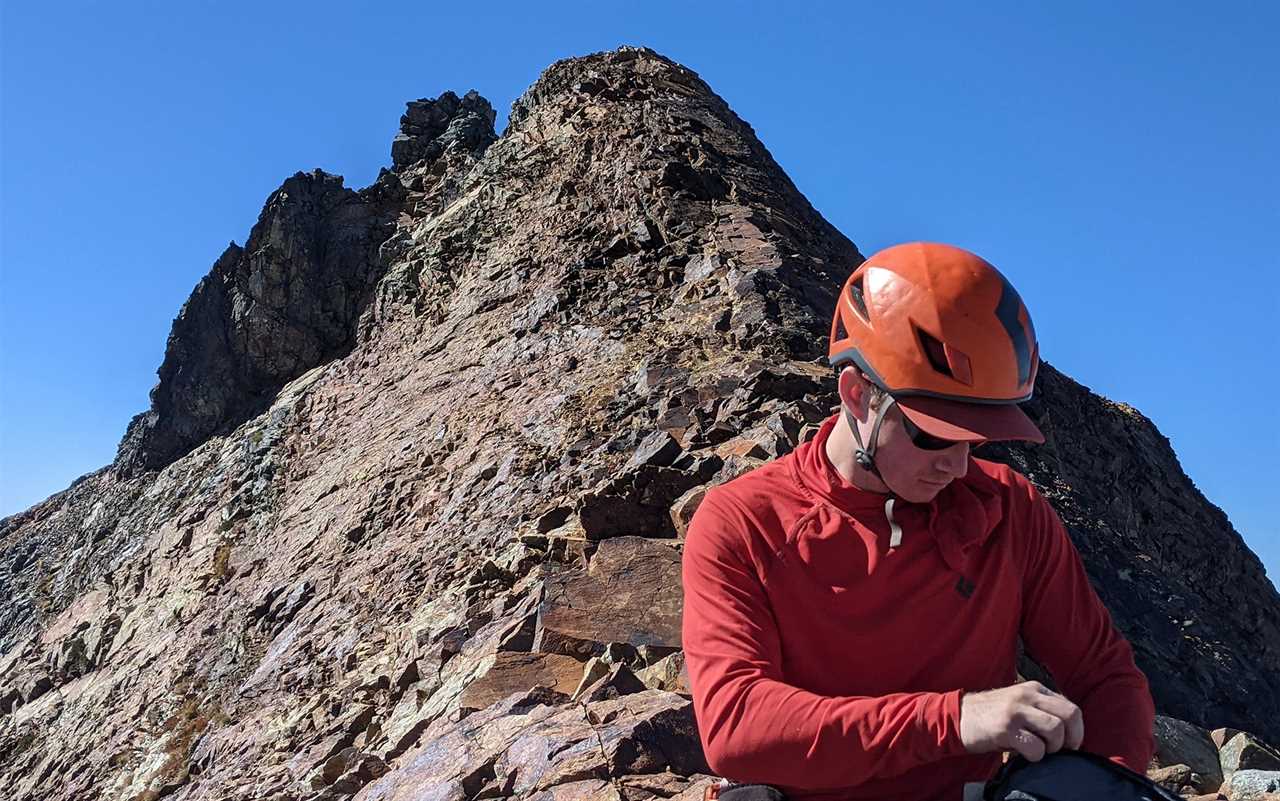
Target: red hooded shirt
[830, 665]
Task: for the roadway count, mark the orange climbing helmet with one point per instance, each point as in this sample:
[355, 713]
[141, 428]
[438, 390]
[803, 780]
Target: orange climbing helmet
[946, 335]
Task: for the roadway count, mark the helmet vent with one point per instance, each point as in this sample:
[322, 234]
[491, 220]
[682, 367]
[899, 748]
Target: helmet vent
[838, 332]
[935, 352]
[858, 299]
[1011, 314]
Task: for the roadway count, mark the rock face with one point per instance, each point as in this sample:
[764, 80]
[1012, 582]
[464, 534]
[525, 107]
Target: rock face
[291, 298]
[417, 465]
[265, 314]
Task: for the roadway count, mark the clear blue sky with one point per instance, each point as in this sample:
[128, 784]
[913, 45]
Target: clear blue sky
[1118, 161]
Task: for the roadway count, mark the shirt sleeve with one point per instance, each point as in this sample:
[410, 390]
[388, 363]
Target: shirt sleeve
[1068, 630]
[755, 727]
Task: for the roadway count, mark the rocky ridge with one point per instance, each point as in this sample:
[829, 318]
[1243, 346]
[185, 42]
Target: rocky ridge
[404, 517]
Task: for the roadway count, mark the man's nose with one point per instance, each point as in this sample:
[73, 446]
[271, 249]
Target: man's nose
[953, 461]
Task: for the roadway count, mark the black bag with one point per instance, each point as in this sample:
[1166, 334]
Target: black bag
[1072, 776]
[751, 792]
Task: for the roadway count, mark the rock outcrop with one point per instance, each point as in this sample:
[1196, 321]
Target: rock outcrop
[292, 297]
[404, 517]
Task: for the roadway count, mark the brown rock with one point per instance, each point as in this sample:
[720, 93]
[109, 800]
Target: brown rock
[638, 502]
[745, 447]
[517, 672]
[617, 682]
[629, 594]
[684, 507]
[668, 674]
[585, 790]
[525, 747]
[1174, 777]
[735, 466]
[664, 785]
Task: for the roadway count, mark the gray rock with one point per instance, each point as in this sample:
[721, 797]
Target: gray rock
[1246, 752]
[430, 127]
[659, 449]
[1253, 785]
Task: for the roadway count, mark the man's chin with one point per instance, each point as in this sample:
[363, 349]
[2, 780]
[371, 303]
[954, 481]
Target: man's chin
[927, 491]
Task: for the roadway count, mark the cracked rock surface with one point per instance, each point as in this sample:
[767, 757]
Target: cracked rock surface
[403, 518]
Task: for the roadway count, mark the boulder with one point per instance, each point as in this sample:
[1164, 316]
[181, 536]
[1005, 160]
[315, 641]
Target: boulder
[659, 449]
[1182, 743]
[618, 681]
[1252, 785]
[1246, 752]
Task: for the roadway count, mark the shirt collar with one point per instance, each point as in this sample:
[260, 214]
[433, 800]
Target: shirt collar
[960, 517]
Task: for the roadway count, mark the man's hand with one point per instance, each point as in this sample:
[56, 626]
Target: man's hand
[1028, 718]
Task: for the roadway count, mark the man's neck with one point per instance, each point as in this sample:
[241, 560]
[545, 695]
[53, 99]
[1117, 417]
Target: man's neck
[840, 448]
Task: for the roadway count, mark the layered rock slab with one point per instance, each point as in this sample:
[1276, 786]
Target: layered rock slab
[629, 594]
[527, 745]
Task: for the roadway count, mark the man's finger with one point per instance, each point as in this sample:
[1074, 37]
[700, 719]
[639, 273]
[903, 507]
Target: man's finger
[1049, 728]
[1061, 707]
[1075, 730]
[1027, 744]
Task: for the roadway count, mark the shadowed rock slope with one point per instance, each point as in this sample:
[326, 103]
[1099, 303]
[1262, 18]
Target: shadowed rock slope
[404, 517]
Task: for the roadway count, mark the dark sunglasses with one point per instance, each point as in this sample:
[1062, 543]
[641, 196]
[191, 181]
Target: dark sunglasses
[924, 440]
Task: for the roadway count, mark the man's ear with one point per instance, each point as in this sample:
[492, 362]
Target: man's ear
[854, 391]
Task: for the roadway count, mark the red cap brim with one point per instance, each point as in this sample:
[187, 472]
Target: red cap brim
[969, 422]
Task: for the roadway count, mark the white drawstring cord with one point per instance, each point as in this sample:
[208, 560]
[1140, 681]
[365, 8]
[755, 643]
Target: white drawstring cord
[895, 531]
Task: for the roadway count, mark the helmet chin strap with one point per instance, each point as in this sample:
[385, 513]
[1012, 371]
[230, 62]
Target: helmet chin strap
[865, 456]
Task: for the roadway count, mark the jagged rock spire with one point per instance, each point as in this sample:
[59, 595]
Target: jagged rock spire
[429, 127]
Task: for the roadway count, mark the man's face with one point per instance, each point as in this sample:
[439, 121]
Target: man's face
[916, 475]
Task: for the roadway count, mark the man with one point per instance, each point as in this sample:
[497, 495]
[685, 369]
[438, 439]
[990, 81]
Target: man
[852, 609]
